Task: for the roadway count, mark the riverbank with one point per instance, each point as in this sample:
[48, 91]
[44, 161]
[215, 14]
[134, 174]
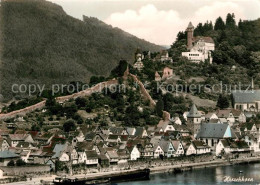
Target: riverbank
[154, 169]
[190, 166]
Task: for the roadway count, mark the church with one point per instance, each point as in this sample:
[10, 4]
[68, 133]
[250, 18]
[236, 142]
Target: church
[199, 48]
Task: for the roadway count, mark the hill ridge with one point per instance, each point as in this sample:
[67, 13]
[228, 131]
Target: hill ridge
[44, 45]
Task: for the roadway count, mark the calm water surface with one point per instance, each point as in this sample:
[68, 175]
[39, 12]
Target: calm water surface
[205, 176]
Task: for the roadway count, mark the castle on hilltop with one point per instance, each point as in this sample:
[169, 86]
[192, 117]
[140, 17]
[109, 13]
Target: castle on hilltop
[199, 48]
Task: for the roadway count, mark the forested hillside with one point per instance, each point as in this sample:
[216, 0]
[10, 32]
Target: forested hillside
[236, 43]
[42, 44]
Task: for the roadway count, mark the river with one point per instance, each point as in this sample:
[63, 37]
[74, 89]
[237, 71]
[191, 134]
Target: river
[207, 176]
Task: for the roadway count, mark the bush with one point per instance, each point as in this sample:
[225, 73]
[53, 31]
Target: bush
[69, 126]
[10, 163]
[20, 162]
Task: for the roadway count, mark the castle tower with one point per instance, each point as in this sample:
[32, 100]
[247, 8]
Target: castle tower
[194, 119]
[189, 30]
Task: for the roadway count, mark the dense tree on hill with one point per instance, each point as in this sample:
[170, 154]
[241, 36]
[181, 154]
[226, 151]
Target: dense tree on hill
[69, 126]
[203, 29]
[80, 102]
[159, 107]
[181, 35]
[120, 69]
[44, 45]
[219, 24]
[223, 102]
[230, 21]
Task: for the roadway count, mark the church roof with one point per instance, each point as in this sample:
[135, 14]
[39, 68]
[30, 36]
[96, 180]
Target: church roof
[215, 130]
[194, 113]
[246, 96]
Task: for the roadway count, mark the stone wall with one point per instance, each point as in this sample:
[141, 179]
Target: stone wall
[40, 105]
[22, 112]
[87, 92]
[26, 170]
[144, 92]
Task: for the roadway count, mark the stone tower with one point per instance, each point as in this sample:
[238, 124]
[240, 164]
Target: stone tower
[194, 120]
[189, 30]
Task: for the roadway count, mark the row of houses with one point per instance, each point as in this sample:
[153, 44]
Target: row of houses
[104, 146]
[230, 124]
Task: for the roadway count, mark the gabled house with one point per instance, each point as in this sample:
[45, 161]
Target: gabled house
[176, 120]
[112, 156]
[45, 138]
[157, 149]
[171, 135]
[239, 115]
[114, 139]
[139, 65]
[197, 148]
[163, 56]
[211, 116]
[80, 137]
[90, 136]
[253, 141]
[141, 132]
[74, 156]
[14, 139]
[250, 127]
[39, 157]
[92, 158]
[4, 145]
[167, 148]
[118, 131]
[82, 157]
[226, 114]
[131, 131]
[60, 153]
[146, 150]
[25, 146]
[246, 100]
[134, 153]
[6, 156]
[227, 146]
[178, 147]
[84, 146]
[165, 124]
[123, 155]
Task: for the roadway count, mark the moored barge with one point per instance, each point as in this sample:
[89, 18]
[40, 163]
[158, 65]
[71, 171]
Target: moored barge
[132, 175]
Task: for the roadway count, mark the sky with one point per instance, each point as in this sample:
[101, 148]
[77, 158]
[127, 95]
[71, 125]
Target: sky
[159, 21]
